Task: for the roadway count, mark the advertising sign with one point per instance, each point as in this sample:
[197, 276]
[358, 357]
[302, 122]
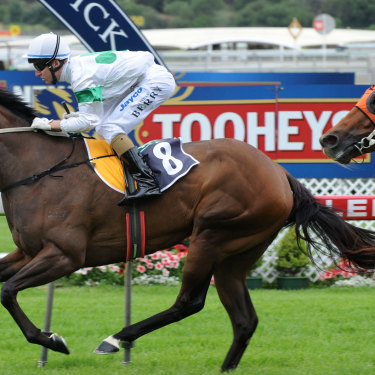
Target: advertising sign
[351, 207]
[286, 126]
[285, 122]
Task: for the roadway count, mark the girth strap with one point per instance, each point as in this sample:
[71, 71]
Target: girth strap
[135, 233]
[135, 223]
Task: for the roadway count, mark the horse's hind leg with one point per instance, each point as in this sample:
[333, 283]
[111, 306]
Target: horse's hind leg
[195, 282]
[234, 295]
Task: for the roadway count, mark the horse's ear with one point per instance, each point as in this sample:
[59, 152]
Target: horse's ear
[370, 103]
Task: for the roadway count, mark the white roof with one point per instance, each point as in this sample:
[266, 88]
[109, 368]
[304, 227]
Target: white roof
[190, 38]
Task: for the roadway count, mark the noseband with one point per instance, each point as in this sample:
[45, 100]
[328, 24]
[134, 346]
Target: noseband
[365, 142]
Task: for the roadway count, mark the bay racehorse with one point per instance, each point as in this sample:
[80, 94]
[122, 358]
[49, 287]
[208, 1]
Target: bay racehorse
[233, 204]
[354, 135]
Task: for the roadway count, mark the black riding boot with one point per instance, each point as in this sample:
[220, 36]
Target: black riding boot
[147, 185]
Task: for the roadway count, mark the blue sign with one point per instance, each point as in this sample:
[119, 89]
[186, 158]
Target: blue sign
[101, 26]
[270, 77]
[296, 114]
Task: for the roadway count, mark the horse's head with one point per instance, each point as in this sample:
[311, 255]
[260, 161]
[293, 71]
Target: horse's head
[13, 111]
[354, 135]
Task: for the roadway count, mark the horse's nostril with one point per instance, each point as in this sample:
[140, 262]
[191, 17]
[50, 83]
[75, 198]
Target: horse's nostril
[329, 140]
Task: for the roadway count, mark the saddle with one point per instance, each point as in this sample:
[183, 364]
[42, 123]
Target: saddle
[165, 157]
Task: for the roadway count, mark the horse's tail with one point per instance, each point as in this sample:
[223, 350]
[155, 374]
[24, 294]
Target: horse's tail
[334, 234]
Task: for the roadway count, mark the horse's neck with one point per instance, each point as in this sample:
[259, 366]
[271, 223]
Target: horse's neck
[26, 154]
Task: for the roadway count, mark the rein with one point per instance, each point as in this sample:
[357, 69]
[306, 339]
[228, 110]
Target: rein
[58, 167]
[17, 130]
[30, 129]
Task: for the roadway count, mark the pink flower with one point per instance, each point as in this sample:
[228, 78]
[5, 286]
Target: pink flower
[165, 272]
[159, 266]
[114, 268]
[166, 262]
[83, 271]
[141, 269]
[174, 264]
[180, 247]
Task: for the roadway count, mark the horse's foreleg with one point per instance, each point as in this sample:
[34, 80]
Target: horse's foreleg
[12, 263]
[49, 265]
[195, 282]
[234, 295]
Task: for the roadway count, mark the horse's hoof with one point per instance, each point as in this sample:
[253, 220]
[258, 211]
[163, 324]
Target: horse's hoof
[108, 346]
[59, 344]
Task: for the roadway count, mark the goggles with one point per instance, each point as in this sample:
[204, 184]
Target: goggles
[40, 65]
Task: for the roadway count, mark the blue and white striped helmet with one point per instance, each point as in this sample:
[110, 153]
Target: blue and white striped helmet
[49, 47]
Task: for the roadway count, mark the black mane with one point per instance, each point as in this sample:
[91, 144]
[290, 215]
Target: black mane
[17, 106]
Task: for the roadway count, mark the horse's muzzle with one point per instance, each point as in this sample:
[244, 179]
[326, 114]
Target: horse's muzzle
[333, 148]
[329, 141]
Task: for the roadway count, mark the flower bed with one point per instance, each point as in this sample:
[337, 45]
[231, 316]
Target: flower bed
[344, 275]
[163, 267]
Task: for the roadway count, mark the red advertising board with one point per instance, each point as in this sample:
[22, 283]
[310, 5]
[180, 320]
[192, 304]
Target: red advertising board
[287, 131]
[351, 207]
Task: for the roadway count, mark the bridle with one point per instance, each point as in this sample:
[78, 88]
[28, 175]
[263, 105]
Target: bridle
[365, 142]
[366, 106]
[57, 167]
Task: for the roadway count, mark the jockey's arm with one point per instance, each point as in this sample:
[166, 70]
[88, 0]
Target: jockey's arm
[75, 122]
[55, 125]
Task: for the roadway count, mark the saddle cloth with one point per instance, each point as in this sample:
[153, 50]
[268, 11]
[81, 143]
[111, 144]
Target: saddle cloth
[166, 158]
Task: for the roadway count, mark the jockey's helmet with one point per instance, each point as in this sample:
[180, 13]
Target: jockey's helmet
[45, 48]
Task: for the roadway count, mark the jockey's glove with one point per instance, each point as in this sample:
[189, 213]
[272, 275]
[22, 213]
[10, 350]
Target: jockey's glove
[69, 115]
[41, 123]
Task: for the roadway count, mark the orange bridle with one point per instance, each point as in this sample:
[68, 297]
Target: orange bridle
[367, 107]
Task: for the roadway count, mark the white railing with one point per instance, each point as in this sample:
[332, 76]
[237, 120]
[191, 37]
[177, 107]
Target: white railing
[324, 186]
[361, 62]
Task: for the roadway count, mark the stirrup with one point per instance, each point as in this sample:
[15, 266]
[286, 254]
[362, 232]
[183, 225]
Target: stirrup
[139, 194]
[146, 188]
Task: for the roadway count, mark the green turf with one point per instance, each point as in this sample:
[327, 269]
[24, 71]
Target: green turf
[315, 331]
[6, 243]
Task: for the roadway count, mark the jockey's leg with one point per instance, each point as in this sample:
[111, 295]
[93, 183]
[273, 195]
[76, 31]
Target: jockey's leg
[125, 114]
[147, 185]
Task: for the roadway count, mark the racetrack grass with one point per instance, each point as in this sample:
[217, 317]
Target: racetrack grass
[314, 331]
[6, 242]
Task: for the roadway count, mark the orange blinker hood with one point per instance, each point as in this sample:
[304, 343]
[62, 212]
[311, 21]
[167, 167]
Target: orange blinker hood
[367, 103]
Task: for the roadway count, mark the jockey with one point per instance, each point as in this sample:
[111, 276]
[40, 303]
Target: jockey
[115, 91]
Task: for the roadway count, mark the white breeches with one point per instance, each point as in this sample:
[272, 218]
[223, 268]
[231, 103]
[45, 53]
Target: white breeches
[123, 114]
